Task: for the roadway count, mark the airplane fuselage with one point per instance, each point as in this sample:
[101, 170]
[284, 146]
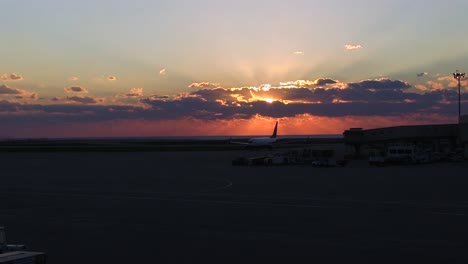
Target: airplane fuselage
[261, 141]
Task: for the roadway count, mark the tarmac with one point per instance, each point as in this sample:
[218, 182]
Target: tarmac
[195, 207]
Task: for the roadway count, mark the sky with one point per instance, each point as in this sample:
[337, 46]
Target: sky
[119, 68]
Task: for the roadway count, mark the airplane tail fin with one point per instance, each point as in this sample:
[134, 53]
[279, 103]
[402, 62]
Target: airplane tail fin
[275, 130]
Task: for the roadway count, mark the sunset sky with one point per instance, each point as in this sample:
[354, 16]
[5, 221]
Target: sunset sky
[94, 68]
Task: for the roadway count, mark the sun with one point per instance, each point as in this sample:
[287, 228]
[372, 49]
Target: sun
[269, 100]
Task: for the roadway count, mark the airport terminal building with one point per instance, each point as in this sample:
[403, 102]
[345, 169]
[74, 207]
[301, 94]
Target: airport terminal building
[445, 139]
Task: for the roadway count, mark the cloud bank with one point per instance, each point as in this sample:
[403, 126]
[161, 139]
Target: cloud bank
[385, 101]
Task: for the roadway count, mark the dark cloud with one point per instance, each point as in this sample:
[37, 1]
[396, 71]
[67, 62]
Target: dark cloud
[75, 89]
[214, 94]
[159, 97]
[367, 98]
[380, 84]
[85, 99]
[421, 74]
[111, 78]
[323, 82]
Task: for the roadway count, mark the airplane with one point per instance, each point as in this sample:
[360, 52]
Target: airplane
[259, 142]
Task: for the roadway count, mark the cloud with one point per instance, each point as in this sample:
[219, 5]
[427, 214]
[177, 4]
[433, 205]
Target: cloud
[368, 97]
[380, 84]
[299, 52]
[383, 97]
[162, 71]
[134, 92]
[73, 78]
[373, 99]
[421, 87]
[32, 96]
[111, 78]
[7, 90]
[203, 85]
[75, 89]
[421, 74]
[85, 99]
[17, 93]
[158, 97]
[11, 77]
[436, 85]
[323, 82]
[15, 77]
[352, 47]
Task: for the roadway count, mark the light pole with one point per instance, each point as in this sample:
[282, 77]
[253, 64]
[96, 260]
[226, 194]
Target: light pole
[459, 76]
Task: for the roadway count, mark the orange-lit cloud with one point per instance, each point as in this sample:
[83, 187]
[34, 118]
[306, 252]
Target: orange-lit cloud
[73, 78]
[11, 77]
[299, 52]
[134, 92]
[162, 71]
[352, 47]
[203, 85]
[435, 85]
[15, 77]
[450, 82]
[421, 87]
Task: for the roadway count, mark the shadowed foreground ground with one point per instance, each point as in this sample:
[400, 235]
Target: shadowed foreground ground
[194, 207]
